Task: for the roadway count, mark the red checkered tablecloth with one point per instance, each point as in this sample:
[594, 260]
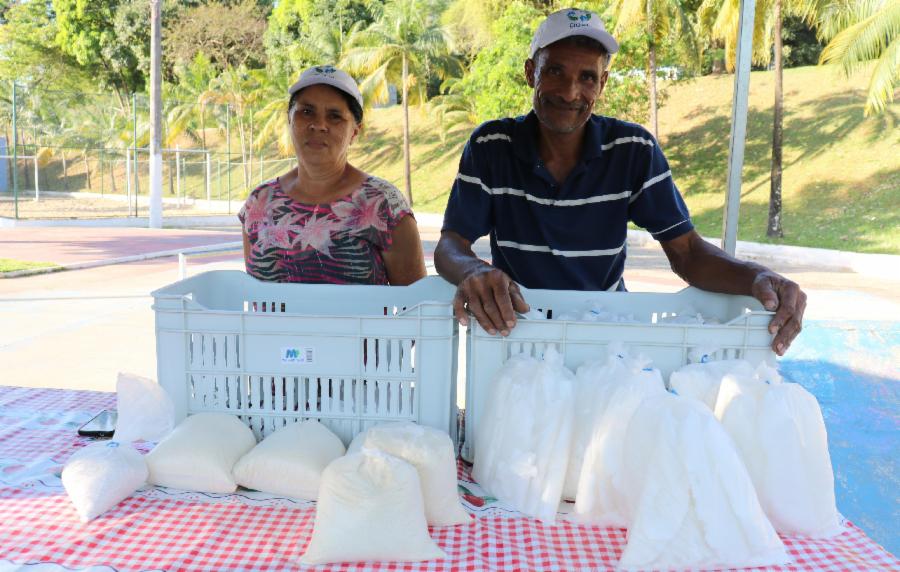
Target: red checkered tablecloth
[166, 529]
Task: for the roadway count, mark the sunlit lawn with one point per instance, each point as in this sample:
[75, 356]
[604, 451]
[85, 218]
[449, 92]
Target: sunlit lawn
[10, 265]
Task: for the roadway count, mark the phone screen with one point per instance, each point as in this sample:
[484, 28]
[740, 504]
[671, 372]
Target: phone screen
[102, 425]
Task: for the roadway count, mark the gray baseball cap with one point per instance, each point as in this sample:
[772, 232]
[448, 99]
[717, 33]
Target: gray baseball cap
[328, 75]
[572, 22]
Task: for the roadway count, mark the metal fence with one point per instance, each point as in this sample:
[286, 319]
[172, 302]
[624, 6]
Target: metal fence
[85, 155]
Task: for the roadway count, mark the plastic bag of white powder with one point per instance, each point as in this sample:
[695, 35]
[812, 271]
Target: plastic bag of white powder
[525, 433]
[370, 508]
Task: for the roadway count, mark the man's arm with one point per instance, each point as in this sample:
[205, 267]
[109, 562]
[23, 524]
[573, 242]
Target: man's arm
[705, 266]
[490, 294]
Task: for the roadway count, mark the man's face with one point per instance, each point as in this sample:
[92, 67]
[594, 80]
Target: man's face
[567, 80]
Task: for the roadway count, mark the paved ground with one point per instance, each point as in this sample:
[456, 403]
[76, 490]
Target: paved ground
[70, 245]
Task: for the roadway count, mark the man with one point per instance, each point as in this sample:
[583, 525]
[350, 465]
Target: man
[555, 190]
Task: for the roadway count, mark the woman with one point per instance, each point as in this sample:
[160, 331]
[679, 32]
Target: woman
[326, 221]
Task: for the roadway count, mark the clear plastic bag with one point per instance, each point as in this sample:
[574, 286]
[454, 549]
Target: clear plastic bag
[595, 383]
[525, 434]
[101, 475]
[370, 508]
[600, 494]
[145, 410]
[430, 451]
[780, 433]
[690, 501]
[701, 381]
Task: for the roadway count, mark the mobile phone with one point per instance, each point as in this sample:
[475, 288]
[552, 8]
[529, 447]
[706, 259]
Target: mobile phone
[102, 426]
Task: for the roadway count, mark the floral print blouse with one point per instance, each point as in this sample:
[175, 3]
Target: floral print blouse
[334, 243]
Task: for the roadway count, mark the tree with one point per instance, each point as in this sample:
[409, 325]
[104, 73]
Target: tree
[187, 111]
[861, 31]
[233, 90]
[496, 79]
[660, 19]
[303, 33]
[30, 53]
[404, 46]
[272, 115]
[86, 30]
[229, 35]
[721, 18]
[470, 22]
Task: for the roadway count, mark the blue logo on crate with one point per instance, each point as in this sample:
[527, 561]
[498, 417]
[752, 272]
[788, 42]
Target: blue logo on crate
[296, 355]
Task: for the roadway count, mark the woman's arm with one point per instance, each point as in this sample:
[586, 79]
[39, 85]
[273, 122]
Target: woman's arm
[404, 260]
[246, 251]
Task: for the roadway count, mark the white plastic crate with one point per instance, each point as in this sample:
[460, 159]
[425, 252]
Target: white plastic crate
[272, 354]
[741, 333]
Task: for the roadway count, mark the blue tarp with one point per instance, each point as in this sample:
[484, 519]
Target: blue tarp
[853, 369]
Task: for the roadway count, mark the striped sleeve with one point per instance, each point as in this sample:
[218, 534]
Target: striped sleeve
[468, 210]
[655, 204]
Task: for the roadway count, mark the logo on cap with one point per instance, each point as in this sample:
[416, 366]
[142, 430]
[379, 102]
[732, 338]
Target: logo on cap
[574, 16]
[325, 69]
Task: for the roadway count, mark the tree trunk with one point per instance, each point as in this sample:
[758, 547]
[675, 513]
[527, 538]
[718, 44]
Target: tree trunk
[112, 176]
[25, 171]
[774, 227]
[9, 160]
[249, 168]
[65, 172]
[242, 132]
[651, 31]
[171, 177]
[203, 124]
[406, 133]
[87, 169]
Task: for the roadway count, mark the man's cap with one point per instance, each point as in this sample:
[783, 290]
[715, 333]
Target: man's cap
[572, 22]
[328, 75]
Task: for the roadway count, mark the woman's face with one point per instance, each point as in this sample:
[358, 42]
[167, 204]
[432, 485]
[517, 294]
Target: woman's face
[322, 125]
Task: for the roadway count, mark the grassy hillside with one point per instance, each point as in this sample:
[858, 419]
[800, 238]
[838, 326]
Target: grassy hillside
[841, 170]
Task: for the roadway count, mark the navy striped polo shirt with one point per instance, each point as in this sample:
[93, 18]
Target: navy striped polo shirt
[568, 237]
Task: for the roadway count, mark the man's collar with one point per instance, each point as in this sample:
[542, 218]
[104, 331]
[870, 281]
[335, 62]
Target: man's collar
[526, 133]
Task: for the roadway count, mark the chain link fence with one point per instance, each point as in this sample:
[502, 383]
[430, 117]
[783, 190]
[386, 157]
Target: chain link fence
[86, 155]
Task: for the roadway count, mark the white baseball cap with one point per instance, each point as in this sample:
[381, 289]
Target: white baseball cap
[328, 75]
[572, 22]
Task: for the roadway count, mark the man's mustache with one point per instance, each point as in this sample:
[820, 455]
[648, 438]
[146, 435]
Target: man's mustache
[562, 104]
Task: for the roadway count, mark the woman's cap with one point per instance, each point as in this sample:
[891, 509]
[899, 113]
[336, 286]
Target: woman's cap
[571, 22]
[328, 75]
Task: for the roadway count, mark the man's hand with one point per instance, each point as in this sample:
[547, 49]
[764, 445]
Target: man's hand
[787, 300]
[492, 297]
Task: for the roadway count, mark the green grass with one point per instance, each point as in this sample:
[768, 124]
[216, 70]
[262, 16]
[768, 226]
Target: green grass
[841, 182]
[10, 265]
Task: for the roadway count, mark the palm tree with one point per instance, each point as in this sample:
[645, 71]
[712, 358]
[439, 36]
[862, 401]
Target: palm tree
[721, 19]
[861, 31]
[453, 108]
[271, 116]
[232, 90]
[659, 19]
[187, 113]
[405, 45]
